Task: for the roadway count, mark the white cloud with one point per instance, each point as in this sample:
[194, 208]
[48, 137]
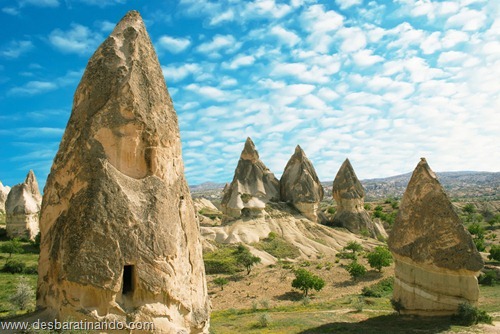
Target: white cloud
[106, 26]
[467, 19]
[11, 11]
[285, 36]
[454, 37]
[219, 43]
[79, 39]
[33, 88]
[344, 4]
[316, 19]
[354, 39]
[172, 44]
[366, 58]
[178, 72]
[239, 61]
[16, 48]
[431, 43]
[405, 35]
[209, 92]
[101, 3]
[222, 17]
[40, 3]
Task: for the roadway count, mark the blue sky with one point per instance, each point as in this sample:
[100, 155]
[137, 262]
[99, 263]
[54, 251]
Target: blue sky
[381, 82]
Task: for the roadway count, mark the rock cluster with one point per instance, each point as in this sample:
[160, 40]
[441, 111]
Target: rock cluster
[22, 208]
[252, 187]
[300, 185]
[436, 261]
[350, 197]
[4, 192]
[120, 240]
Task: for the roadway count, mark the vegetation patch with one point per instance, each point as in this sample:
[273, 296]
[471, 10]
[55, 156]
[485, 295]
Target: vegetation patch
[278, 247]
[380, 289]
[221, 261]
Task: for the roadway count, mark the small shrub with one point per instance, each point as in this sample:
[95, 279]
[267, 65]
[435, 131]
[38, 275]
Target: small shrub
[264, 303]
[245, 258]
[24, 296]
[476, 229]
[380, 289]
[368, 206]
[355, 269]
[331, 210]
[246, 197]
[488, 278]
[14, 267]
[306, 301]
[271, 236]
[31, 270]
[359, 303]
[10, 247]
[254, 306]
[468, 315]
[365, 233]
[328, 265]
[305, 263]
[220, 282]
[379, 208]
[397, 305]
[353, 246]
[469, 208]
[479, 242]
[264, 320]
[494, 253]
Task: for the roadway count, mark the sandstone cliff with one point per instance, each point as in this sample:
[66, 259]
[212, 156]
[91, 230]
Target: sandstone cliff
[349, 195]
[120, 240]
[22, 208]
[4, 192]
[252, 187]
[436, 261]
[300, 185]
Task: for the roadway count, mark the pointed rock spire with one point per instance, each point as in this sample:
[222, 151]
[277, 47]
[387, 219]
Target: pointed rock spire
[4, 192]
[350, 197]
[300, 185]
[252, 187]
[22, 207]
[120, 239]
[436, 259]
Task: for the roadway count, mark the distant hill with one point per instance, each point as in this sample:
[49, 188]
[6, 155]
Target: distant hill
[458, 185]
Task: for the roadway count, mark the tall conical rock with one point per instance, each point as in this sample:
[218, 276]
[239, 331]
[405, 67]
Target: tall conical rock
[4, 192]
[300, 185]
[350, 197]
[435, 257]
[22, 208]
[120, 240]
[252, 187]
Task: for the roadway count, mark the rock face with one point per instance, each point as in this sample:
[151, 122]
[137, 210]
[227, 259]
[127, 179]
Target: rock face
[22, 208]
[300, 185]
[350, 197]
[4, 192]
[252, 187]
[435, 257]
[120, 241]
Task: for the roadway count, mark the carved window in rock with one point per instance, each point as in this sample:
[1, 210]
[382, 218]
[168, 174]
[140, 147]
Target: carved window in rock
[128, 280]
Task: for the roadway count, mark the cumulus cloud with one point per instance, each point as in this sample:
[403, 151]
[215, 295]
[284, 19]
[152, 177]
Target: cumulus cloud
[172, 44]
[33, 88]
[178, 72]
[16, 48]
[225, 43]
[79, 39]
[285, 36]
[344, 4]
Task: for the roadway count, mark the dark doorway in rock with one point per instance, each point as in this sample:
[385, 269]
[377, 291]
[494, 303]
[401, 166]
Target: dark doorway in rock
[128, 277]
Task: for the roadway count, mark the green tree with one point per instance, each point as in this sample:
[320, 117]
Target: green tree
[305, 280]
[355, 269]
[380, 257]
[10, 247]
[245, 258]
[476, 230]
[494, 253]
[220, 282]
[469, 208]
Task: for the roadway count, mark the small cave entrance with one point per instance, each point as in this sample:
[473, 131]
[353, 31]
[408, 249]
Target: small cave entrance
[128, 280]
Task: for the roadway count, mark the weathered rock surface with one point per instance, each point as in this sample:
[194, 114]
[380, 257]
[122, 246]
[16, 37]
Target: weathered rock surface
[120, 240]
[4, 192]
[300, 185]
[349, 195]
[206, 211]
[252, 187]
[22, 208]
[436, 261]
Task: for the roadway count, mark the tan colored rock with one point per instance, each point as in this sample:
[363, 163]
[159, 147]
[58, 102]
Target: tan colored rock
[436, 261]
[206, 211]
[350, 197]
[252, 187]
[22, 208]
[300, 185]
[4, 192]
[120, 240]
[201, 203]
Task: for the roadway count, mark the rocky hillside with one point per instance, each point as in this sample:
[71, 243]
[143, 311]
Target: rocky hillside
[458, 185]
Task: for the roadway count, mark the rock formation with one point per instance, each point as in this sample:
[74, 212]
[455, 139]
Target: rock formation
[22, 208]
[252, 187]
[300, 185]
[206, 211]
[350, 197]
[4, 192]
[120, 241]
[436, 260]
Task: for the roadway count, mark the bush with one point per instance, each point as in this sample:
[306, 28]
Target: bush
[221, 261]
[488, 278]
[331, 210]
[24, 295]
[264, 320]
[479, 242]
[305, 280]
[494, 253]
[31, 270]
[368, 206]
[353, 246]
[245, 258]
[14, 267]
[271, 236]
[380, 289]
[221, 281]
[476, 229]
[468, 315]
[397, 305]
[10, 247]
[355, 269]
[380, 257]
[469, 208]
